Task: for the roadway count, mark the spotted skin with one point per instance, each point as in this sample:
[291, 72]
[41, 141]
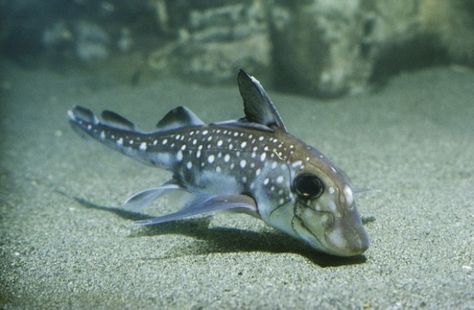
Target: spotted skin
[241, 158]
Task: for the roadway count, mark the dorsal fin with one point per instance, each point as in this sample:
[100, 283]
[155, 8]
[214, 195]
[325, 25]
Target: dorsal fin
[258, 106]
[83, 113]
[116, 120]
[179, 117]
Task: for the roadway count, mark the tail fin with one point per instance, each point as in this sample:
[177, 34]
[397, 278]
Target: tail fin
[112, 129]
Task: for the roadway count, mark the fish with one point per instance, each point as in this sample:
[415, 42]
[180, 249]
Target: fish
[251, 165]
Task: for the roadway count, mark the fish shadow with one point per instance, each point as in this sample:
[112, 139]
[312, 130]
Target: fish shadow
[224, 239]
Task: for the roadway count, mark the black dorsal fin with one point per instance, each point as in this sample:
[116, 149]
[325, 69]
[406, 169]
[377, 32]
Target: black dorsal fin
[179, 117]
[116, 120]
[258, 106]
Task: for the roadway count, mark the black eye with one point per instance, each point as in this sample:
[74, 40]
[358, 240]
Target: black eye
[308, 186]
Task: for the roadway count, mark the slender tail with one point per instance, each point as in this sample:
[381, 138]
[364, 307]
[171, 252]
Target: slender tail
[112, 130]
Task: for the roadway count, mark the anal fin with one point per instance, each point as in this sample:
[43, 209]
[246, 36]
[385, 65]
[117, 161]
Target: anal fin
[206, 203]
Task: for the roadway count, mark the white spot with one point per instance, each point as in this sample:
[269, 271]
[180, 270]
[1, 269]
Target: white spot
[253, 155]
[263, 156]
[348, 194]
[191, 133]
[281, 201]
[120, 141]
[331, 190]
[183, 147]
[130, 142]
[155, 142]
[211, 158]
[266, 181]
[219, 143]
[189, 165]
[179, 155]
[333, 169]
[142, 146]
[164, 141]
[205, 132]
[274, 164]
[200, 147]
[296, 164]
[102, 135]
[218, 169]
[255, 148]
[243, 163]
[219, 155]
[89, 127]
[244, 179]
[198, 154]
[226, 158]
[177, 137]
[209, 138]
[232, 165]
[279, 179]
[243, 144]
[257, 172]
[237, 153]
[252, 165]
[231, 146]
[260, 138]
[307, 158]
[194, 141]
[236, 134]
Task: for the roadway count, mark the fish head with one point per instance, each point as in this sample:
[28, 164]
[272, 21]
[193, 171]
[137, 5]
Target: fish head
[324, 209]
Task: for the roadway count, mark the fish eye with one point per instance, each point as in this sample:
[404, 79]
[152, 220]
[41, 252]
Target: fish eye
[308, 186]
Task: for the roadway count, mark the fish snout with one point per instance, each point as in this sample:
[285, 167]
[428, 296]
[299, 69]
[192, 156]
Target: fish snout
[347, 237]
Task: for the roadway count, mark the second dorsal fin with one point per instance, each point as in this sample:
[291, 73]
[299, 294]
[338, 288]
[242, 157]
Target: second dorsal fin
[116, 120]
[258, 106]
[179, 117]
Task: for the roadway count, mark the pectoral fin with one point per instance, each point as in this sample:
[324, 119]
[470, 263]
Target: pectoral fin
[205, 203]
[142, 199]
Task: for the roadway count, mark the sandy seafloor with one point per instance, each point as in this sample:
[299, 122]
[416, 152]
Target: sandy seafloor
[411, 143]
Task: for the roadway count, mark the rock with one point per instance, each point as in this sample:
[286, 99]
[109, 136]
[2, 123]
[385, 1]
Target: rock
[216, 40]
[317, 46]
[330, 48]
[91, 42]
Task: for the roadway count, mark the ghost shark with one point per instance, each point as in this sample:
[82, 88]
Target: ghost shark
[250, 165]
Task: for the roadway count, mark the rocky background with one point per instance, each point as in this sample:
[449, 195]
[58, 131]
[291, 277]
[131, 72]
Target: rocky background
[321, 48]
